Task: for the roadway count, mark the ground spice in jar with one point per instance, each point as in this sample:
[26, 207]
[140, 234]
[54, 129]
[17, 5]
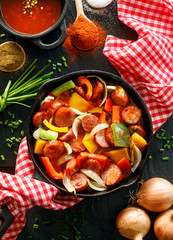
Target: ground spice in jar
[84, 34]
[11, 56]
[74, 52]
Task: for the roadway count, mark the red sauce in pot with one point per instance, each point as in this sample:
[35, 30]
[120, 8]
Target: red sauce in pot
[30, 16]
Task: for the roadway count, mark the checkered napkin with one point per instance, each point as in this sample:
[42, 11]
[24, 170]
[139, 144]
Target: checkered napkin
[147, 63]
[21, 192]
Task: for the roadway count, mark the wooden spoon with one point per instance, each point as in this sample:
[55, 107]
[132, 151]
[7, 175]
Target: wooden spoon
[88, 38]
[12, 56]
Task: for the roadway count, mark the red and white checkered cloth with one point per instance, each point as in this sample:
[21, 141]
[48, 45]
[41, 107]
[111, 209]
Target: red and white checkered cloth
[21, 192]
[147, 63]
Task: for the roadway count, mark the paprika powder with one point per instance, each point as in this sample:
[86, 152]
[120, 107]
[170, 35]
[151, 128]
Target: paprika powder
[74, 52]
[84, 33]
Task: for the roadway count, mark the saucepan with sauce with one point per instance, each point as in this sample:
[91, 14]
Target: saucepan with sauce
[34, 20]
[89, 133]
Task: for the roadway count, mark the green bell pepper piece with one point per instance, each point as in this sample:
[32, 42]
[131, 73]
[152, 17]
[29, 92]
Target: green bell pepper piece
[121, 135]
[63, 87]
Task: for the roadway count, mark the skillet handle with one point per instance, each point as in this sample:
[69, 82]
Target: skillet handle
[56, 43]
[7, 218]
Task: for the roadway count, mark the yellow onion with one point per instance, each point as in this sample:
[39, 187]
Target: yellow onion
[155, 195]
[163, 225]
[133, 223]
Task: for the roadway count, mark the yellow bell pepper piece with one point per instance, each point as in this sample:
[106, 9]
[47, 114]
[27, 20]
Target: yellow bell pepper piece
[118, 154]
[139, 141]
[96, 110]
[39, 145]
[119, 88]
[89, 143]
[54, 128]
[78, 102]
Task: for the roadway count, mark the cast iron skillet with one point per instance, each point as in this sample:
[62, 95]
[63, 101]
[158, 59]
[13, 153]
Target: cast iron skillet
[37, 39]
[47, 87]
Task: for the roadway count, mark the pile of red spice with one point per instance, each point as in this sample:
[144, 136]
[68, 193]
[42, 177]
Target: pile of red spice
[73, 51]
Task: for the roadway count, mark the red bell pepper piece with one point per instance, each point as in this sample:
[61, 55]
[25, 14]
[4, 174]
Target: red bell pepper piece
[124, 164]
[50, 169]
[105, 118]
[108, 105]
[46, 104]
[71, 167]
[116, 114]
[82, 80]
[85, 155]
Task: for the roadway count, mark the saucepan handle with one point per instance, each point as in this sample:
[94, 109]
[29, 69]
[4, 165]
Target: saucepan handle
[48, 46]
[7, 218]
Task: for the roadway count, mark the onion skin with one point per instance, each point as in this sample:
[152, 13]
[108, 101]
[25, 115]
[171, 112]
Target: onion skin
[133, 223]
[163, 225]
[155, 195]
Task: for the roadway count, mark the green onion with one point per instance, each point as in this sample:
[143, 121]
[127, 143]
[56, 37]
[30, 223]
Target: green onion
[2, 157]
[2, 35]
[163, 131]
[63, 59]
[161, 149]
[6, 122]
[165, 158]
[29, 237]
[150, 157]
[22, 133]
[15, 153]
[59, 64]
[36, 226]
[65, 64]
[158, 136]
[23, 89]
[59, 69]
[46, 222]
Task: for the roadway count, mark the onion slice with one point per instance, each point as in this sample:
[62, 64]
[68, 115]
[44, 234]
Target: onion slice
[67, 184]
[98, 128]
[105, 88]
[76, 111]
[68, 147]
[95, 186]
[136, 157]
[111, 87]
[64, 158]
[36, 134]
[91, 174]
[76, 123]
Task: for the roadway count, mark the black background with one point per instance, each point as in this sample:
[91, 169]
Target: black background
[94, 218]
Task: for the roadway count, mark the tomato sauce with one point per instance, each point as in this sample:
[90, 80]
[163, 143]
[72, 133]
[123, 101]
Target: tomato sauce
[31, 16]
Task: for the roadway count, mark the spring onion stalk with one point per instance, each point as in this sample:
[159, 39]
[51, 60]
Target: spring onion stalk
[24, 89]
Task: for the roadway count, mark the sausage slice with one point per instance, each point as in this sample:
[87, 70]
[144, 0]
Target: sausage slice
[111, 174]
[131, 114]
[89, 122]
[98, 90]
[53, 149]
[100, 139]
[76, 144]
[120, 98]
[92, 164]
[64, 117]
[109, 136]
[79, 181]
